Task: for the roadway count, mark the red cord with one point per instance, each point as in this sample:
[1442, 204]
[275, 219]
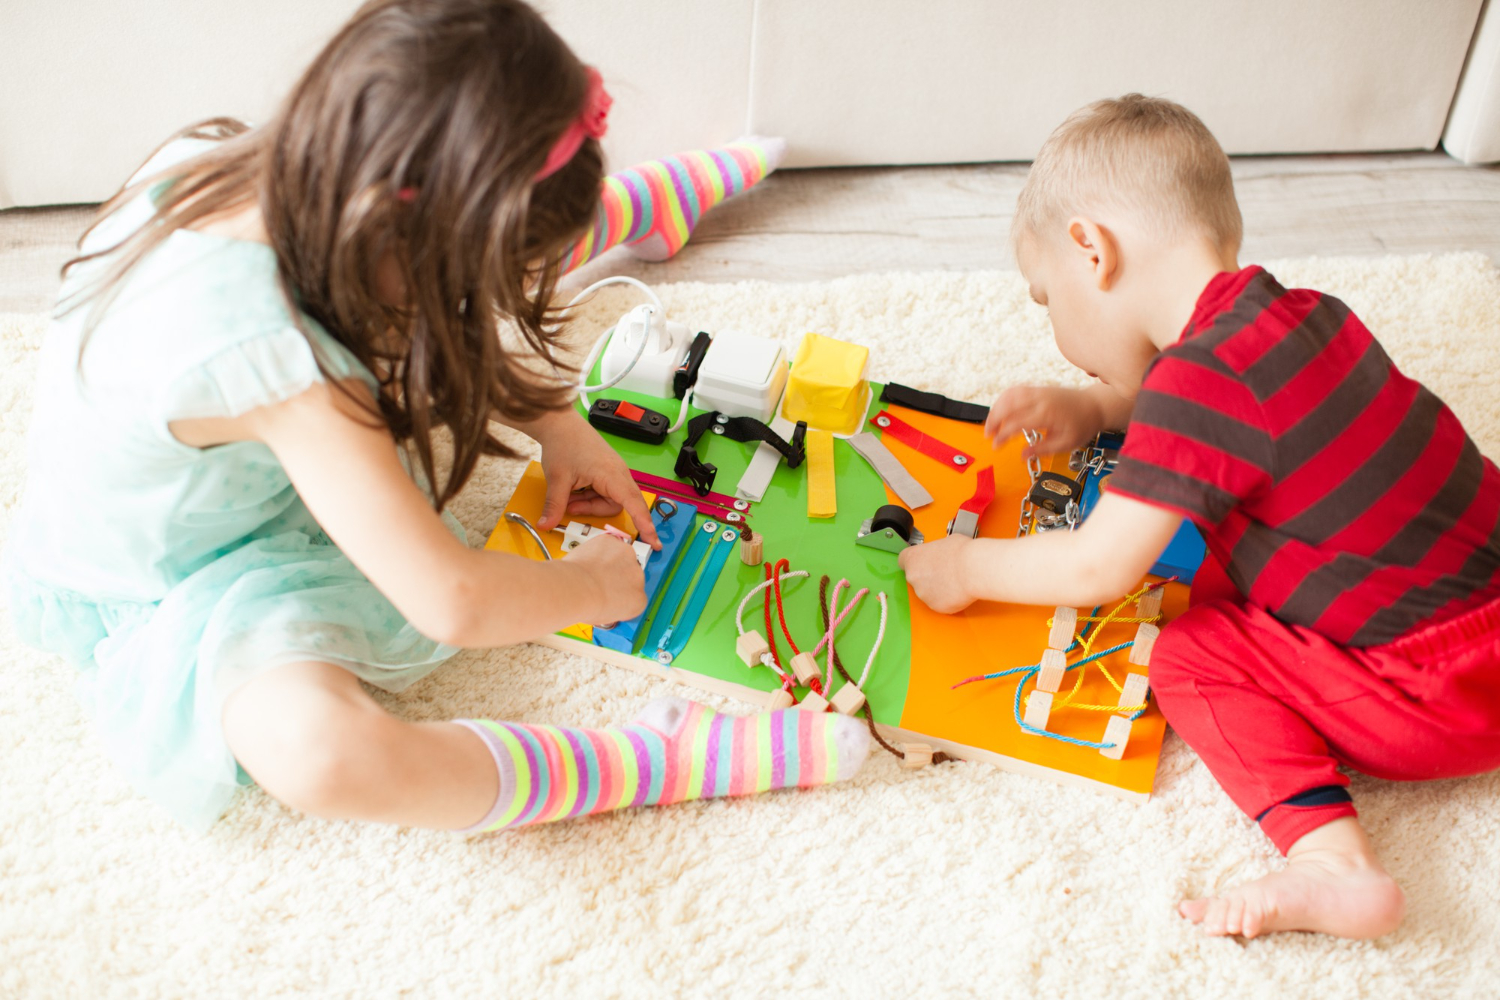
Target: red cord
[770, 630]
[782, 564]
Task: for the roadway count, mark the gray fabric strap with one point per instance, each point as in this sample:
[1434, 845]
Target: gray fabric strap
[890, 470]
[763, 464]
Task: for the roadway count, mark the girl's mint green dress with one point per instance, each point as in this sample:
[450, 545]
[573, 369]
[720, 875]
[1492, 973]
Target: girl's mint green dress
[170, 574]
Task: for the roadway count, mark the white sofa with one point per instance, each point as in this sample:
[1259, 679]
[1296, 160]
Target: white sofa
[88, 87]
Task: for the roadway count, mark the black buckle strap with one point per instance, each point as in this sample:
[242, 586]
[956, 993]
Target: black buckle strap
[691, 467]
[935, 403]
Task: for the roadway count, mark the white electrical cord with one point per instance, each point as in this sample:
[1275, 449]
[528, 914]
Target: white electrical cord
[593, 357]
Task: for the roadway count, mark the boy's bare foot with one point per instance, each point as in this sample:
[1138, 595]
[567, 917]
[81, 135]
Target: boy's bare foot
[1332, 884]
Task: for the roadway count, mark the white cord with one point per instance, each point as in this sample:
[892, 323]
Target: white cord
[619, 279]
[879, 638]
[739, 614]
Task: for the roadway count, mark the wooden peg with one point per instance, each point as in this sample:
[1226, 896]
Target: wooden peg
[750, 551]
[1064, 625]
[1149, 606]
[814, 702]
[1118, 733]
[1134, 691]
[1038, 708]
[1145, 642]
[1054, 667]
[779, 699]
[848, 699]
[751, 647]
[805, 667]
[915, 755]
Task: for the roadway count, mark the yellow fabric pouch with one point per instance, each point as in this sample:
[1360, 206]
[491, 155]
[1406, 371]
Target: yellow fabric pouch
[827, 386]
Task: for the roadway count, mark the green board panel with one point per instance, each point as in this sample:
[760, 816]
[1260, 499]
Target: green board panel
[820, 546]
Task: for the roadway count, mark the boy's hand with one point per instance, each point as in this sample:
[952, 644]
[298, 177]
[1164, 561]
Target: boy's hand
[935, 570]
[1066, 418]
[614, 576]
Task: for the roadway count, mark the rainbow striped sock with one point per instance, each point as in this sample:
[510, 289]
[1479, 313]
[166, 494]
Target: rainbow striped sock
[676, 750]
[653, 207]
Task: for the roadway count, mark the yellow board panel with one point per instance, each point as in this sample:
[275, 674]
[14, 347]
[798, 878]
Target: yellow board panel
[512, 538]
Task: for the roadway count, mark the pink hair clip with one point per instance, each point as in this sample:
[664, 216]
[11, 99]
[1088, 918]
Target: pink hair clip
[591, 123]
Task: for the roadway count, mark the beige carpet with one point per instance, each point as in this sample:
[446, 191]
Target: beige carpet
[959, 880]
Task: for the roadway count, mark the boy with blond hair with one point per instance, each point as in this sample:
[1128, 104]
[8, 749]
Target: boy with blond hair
[1349, 613]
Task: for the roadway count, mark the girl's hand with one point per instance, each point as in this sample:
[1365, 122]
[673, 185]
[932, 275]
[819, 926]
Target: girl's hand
[1066, 418]
[935, 570]
[585, 476]
[613, 575]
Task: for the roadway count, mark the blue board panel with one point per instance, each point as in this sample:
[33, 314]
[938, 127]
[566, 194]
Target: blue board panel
[673, 532]
[1184, 553]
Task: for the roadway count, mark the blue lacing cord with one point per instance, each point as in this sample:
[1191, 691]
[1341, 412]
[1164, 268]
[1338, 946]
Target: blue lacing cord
[1035, 669]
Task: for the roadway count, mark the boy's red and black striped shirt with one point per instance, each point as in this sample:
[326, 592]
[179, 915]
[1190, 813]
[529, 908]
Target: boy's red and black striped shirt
[1338, 493]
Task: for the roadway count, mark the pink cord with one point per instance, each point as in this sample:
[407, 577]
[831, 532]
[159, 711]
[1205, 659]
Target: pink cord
[835, 619]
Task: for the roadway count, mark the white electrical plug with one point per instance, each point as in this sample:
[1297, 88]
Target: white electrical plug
[665, 347]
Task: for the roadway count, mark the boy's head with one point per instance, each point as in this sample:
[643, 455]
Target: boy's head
[1135, 180]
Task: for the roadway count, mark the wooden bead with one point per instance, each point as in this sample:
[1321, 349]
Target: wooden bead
[1118, 733]
[1064, 625]
[848, 699]
[751, 647]
[750, 551]
[1054, 667]
[1134, 691]
[1038, 708]
[1149, 606]
[915, 755]
[779, 699]
[814, 702]
[804, 667]
[1145, 642]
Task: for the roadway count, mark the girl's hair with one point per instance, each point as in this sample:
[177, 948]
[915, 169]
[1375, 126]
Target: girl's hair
[417, 133]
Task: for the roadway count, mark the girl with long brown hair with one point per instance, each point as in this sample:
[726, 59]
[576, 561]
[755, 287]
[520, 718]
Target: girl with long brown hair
[234, 515]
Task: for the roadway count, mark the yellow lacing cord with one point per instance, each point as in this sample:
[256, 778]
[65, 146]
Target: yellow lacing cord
[1086, 643]
[1128, 709]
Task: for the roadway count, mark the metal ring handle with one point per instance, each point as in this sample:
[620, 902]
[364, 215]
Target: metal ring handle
[515, 518]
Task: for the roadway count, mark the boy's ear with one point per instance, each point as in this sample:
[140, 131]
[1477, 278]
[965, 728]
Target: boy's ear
[1097, 247]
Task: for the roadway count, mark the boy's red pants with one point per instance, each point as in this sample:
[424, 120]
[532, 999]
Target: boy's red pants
[1273, 708]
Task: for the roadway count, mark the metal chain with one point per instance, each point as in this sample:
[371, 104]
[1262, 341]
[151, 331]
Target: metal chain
[1033, 463]
[1033, 469]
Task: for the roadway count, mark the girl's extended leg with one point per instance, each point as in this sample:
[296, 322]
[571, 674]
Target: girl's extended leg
[653, 207]
[311, 736]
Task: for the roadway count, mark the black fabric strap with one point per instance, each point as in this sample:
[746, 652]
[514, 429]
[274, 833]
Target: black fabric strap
[931, 402]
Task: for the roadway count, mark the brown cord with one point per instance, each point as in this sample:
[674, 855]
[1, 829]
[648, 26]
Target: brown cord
[869, 714]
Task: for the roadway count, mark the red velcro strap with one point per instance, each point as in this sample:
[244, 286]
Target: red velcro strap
[629, 411]
[980, 501]
[893, 426]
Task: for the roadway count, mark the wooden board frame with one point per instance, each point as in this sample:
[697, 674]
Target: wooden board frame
[909, 688]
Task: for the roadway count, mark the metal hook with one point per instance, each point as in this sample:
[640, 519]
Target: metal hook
[664, 508]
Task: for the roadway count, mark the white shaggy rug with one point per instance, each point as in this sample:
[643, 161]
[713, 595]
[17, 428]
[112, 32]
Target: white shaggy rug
[956, 880]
